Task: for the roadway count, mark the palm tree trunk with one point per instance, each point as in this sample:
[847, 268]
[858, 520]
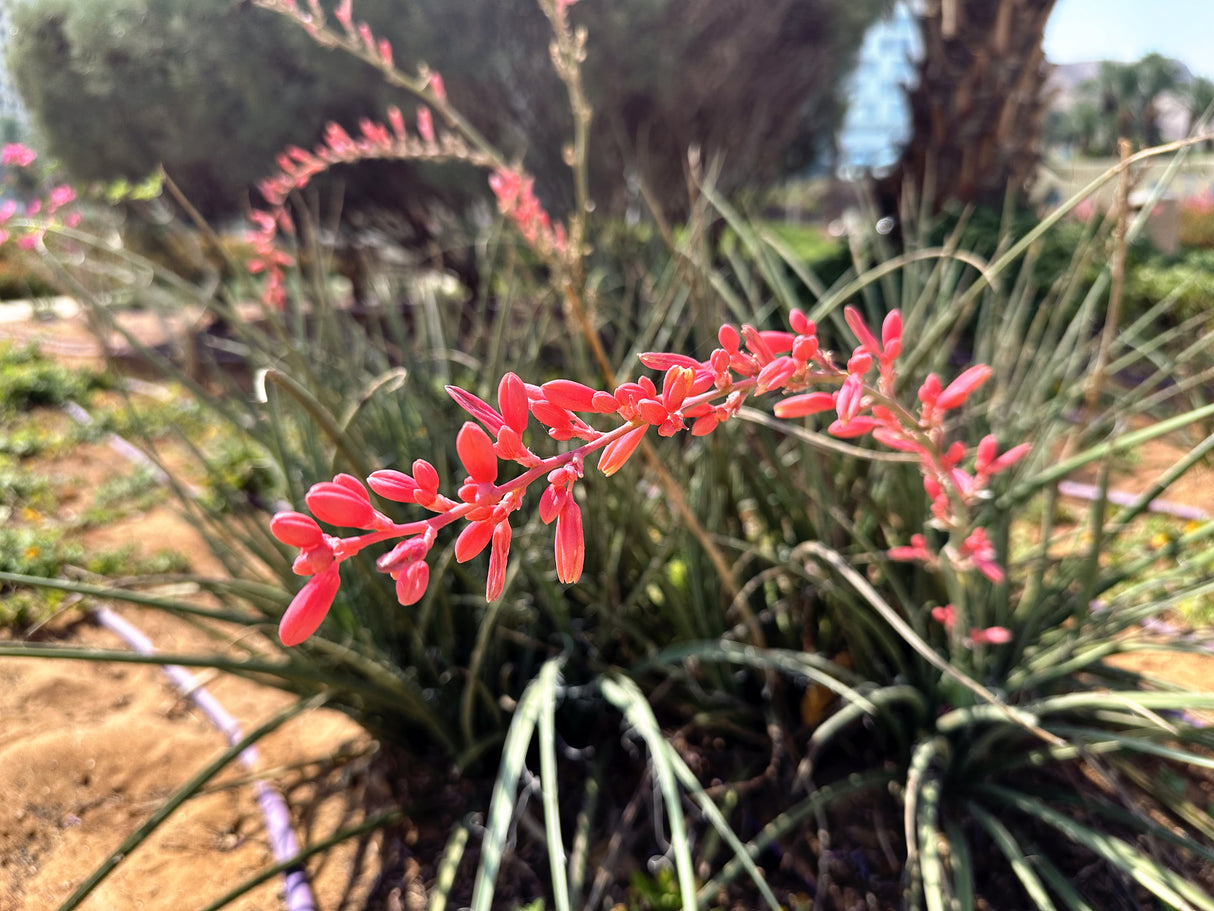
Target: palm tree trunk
[978, 109]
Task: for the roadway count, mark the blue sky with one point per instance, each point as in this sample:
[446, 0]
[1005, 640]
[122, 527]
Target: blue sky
[1129, 29]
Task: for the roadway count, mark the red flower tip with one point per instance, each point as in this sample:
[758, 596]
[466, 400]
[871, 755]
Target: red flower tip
[850, 398]
[994, 635]
[891, 335]
[478, 408]
[617, 452]
[570, 395]
[425, 475]
[676, 386]
[758, 344]
[570, 545]
[337, 504]
[946, 616]
[437, 87]
[960, 389]
[805, 348]
[846, 430]
[499, 555]
[475, 450]
[860, 329]
[394, 485]
[425, 124]
[411, 583]
[296, 530]
[728, 337]
[472, 540]
[512, 400]
[859, 363]
[552, 501]
[776, 374]
[798, 406]
[800, 323]
[929, 392]
[663, 360]
[309, 607]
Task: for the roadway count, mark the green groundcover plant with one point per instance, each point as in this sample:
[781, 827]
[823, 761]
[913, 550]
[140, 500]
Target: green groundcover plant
[849, 653]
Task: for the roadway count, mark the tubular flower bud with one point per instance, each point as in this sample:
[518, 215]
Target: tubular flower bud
[994, 635]
[570, 545]
[309, 607]
[478, 408]
[337, 504]
[570, 395]
[860, 329]
[394, 485]
[426, 476]
[475, 451]
[891, 336]
[676, 386]
[960, 389]
[945, 615]
[296, 530]
[850, 399]
[617, 452]
[411, 583]
[499, 555]
[512, 400]
[798, 406]
[472, 540]
[425, 125]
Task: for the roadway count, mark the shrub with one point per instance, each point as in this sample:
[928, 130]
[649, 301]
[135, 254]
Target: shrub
[1197, 224]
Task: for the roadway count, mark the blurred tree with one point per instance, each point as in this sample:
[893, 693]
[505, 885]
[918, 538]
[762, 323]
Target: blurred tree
[978, 109]
[213, 88]
[1199, 99]
[1156, 75]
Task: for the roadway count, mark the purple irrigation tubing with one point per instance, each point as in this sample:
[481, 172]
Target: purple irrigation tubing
[1121, 498]
[278, 818]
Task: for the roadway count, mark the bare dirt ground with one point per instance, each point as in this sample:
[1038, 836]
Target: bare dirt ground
[88, 751]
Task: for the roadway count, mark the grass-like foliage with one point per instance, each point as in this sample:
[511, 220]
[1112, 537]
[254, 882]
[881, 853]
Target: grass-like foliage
[782, 631]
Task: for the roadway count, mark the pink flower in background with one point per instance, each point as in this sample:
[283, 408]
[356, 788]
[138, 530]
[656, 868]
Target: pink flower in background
[15, 153]
[995, 635]
[945, 615]
[59, 197]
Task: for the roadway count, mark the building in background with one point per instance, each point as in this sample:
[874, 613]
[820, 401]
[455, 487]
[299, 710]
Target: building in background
[877, 123]
[12, 112]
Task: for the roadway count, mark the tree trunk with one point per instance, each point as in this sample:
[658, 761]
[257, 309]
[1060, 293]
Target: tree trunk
[977, 112]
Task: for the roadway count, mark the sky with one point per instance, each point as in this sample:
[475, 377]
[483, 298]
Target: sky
[1127, 30]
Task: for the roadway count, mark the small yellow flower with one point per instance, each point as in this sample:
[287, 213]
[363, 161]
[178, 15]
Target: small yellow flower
[1160, 540]
[29, 514]
[33, 552]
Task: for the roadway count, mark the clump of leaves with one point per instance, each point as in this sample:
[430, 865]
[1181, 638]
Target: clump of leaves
[29, 379]
[21, 488]
[125, 495]
[36, 551]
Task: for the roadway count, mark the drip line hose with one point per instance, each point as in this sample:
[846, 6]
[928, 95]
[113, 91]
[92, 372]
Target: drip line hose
[274, 810]
[299, 895]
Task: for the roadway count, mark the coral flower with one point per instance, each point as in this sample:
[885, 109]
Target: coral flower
[309, 607]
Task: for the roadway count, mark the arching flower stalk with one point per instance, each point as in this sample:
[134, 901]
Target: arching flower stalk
[694, 394]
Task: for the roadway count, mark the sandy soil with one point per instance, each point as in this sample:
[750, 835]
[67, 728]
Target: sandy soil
[88, 751]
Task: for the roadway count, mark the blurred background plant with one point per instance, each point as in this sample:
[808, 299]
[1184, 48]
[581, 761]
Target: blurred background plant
[766, 647]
